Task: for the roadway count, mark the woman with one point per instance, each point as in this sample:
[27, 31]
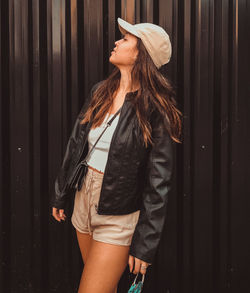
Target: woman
[120, 204]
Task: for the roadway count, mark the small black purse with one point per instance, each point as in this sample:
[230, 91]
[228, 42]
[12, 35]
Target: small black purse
[82, 167]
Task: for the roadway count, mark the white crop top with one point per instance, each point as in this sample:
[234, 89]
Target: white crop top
[99, 155]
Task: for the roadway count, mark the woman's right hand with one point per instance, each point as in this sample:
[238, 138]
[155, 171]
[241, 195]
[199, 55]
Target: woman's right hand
[58, 214]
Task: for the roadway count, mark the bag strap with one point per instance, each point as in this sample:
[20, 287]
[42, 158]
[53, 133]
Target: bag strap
[108, 124]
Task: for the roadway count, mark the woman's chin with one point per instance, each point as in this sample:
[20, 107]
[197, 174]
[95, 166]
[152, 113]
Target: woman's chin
[112, 61]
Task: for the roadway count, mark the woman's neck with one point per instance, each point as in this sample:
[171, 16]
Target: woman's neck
[126, 85]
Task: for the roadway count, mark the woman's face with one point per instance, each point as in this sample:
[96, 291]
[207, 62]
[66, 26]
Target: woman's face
[125, 52]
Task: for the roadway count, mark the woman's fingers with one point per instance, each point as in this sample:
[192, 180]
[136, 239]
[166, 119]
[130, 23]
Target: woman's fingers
[58, 214]
[143, 267]
[131, 262]
[140, 266]
[137, 266]
[55, 214]
[62, 215]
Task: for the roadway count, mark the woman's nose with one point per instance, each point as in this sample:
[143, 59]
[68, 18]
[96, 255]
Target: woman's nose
[117, 42]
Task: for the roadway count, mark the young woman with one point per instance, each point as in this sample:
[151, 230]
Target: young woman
[120, 204]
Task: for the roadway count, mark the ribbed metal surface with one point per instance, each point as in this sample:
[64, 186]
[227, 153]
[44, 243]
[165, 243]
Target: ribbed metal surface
[52, 52]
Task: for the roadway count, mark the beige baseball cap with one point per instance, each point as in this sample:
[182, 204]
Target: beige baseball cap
[154, 38]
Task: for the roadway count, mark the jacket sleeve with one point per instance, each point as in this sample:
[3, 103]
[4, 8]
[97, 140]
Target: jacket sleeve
[61, 191]
[158, 179]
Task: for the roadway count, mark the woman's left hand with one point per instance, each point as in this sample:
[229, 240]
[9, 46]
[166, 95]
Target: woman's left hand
[139, 265]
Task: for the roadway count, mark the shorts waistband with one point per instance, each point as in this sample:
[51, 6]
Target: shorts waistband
[94, 169]
[94, 172]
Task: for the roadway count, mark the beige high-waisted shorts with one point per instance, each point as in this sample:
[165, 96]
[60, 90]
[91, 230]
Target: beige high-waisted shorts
[114, 229]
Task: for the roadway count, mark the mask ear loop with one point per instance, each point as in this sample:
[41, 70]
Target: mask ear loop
[135, 279]
[143, 277]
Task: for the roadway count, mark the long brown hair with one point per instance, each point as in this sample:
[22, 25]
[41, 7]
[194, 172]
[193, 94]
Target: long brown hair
[155, 90]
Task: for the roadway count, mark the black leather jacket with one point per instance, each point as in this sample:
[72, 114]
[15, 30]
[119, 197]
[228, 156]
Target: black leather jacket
[135, 177]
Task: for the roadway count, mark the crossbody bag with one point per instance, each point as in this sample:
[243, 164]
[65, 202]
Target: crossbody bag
[82, 168]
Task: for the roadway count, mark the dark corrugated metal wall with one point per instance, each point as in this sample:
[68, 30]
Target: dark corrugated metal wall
[52, 52]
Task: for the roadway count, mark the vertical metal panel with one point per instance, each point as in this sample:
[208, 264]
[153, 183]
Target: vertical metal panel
[72, 53]
[128, 10]
[20, 149]
[113, 7]
[239, 144]
[221, 148]
[147, 11]
[185, 254]
[5, 207]
[51, 53]
[36, 205]
[202, 192]
[93, 41]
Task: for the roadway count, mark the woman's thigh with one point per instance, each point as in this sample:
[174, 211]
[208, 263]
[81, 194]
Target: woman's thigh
[84, 241]
[104, 267]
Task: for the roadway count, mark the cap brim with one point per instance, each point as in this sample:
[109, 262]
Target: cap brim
[126, 27]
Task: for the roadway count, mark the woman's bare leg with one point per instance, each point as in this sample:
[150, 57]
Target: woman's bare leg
[84, 241]
[104, 267]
